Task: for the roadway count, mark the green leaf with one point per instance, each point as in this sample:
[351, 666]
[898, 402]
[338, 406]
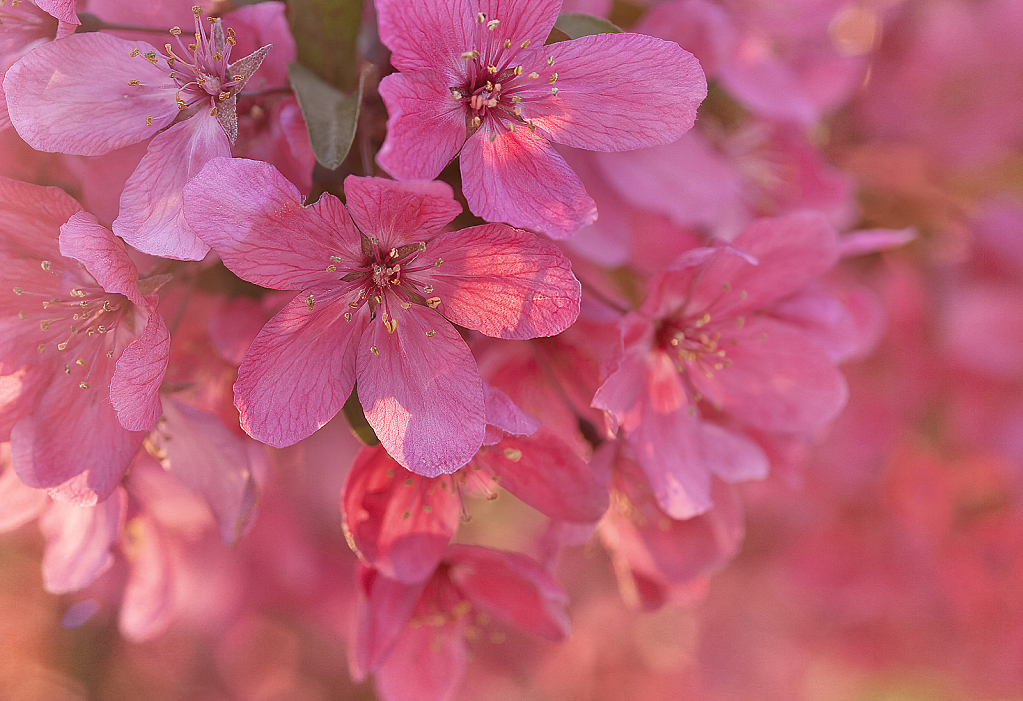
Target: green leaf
[357, 422]
[579, 24]
[331, 116]
[325, 34]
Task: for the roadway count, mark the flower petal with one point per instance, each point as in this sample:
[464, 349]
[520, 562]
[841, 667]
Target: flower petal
[427, 35]
[298, 373]
[520, 179]
[103, 255]
[503, 282]
[72, 96]
[151, 217]
[422, 394]
[135, 384]
[397, 213]
[78, 542]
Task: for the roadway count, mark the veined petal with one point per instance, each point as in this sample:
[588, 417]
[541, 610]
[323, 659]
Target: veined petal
[299, 371]
[151, 217]
[135, 384]
[78, 542]
[521, 20]
[72, 96]
[254, 218]
[428, 35]
[64, 10]
[103, 255]
[618, 92]
[503, 282]
[520, 179]
[397, 213]
[382, 618]
[425, 125]
[422, 393]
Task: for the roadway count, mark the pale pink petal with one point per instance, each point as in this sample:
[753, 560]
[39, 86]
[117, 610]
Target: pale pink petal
[397, 213]
[426, 664]
[505, 416]
[5, 120]
[520, 179]
[544, 472]
[18, 395]
[511, 587]
[72, 96]
[64, 10]
[764, 83]
[255, 27]
[428, 35]
[699, 26]
[30, 219]
[777, 380]
[233, 325]
[398, 522]
[422, 394]
[78, 542]
[619, 91]
[382, 618]
[425, 126]
[104, 256]
[299, 372]
[844, 323]
[212, 461]
[19, 504]
[732, 456]
[135, 384]
[148, 603]
[151, 217]
[254, 218]
[865, 241]
[503, 282]
[607, 241]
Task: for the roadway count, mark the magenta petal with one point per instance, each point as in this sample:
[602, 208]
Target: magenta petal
[396, 213]
[618, 92]
[425, 127]
[104, 256]
[422, 394]
[135, 384]
[72, 96]
[504, 415]
[544, 472]
[520, 179]
[503, 282]
[254, 218]
[778, 380]
[427, 35]
[151, 217]
[298, 373]
[382, 618]
[511, 587]
[148, 603]
[78, 542]
[426, 664]
[398, 522]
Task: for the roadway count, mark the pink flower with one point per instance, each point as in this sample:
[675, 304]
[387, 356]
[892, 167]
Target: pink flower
[379, 284]
[476, 78]
[711, 352]
[89, 94]
[87, 348]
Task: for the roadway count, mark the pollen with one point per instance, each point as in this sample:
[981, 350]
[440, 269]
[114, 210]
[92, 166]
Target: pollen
[133, 83]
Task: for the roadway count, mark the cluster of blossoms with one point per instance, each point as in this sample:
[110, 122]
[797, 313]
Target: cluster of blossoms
[742, 272]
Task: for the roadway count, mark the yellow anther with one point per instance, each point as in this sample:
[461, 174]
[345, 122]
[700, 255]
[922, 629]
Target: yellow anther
[524, 45]
[44, 325]
[374, 350]
[550, 60]
[192, 47]
[81, 363]
[554, 77]
[196, 10]
[223, 95]
[428, 289]
[18, 291]
[513, 454]
[149, 121]
[354, 305]
[176, 31]
[110, 354]
[133, 83]
[507, 43]
[406, 304]
[492, 24]
[135, 52]
[62, 345]
[554, 91]
[42, 347]
[391, 325]
[517, 70]
[310, 302]
[23, 315]
[439, 261]
[67, 369]
[475, 122]
[45, 265]
[481, 18]
[83, 385]
[218, 56]
[469, 55]
[516, 99]
[433, 302]
[348, 316]
[493, 70]
[150, 56]
[534, 75]
[431, 334]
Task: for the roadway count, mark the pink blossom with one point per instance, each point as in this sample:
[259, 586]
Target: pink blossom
[92, 93]
[380, 283]
[476, 79]
[708, 353]
[86, 347]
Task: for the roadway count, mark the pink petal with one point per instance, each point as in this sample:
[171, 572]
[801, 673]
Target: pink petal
[213, 462]
[427, 664]
[397, 213]
[422, 394]
[777, 381]
[425, 127]
[64, 10]
[503, 282]
[427, 35]
[520, 179]
[732, 456]
[511, 587]
[618, 92]
[254, 218]
[298, 373]
[398, 522]
[765, 84]
[148, 603]
[19, 504]
[544, 472]
[151, 217]
[382, 618]
[521, 20]
[104, 256]
[864, 241]
[256, 26]
[135, 384]
[504, 415]
[18, 395]
[72, 96]
[30, 219]
[78, 542]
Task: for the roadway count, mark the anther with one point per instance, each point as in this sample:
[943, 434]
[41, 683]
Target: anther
[310, 302]
[348, 316]
[223, 95]
[149, 121]
[470, 55]
[45, 265]
[431, 334]
[196, 10]
[134, 53]
[41, 348]
[176, 31]
[110, 354]
[507, 43]
[62, 345]
[391, 325]
[534, 75]
[481, 18]
[554, 91]
[374, 350]
[513, 454]
[517, 70]
[439, 261]
[18, 291]
[133, 83]
[554, 77]
[524, 45]
[23, 315]
[492, 24]
[428, 289]
[433, 302]
[83, 385]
